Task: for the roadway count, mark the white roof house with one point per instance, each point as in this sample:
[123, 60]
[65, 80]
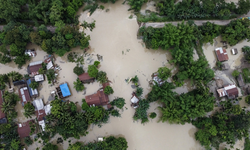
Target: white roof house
[39, 78]
[47, 109]
[49, 65]
[42, 124]
[38, 104]
[134, 99]
[35, 63]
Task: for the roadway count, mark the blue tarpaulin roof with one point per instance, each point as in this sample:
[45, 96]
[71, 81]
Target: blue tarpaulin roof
[65, 90]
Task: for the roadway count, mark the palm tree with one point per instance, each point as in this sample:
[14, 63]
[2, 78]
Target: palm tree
[6, 107]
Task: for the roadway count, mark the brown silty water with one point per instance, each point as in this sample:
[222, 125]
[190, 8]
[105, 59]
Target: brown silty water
[124, 56]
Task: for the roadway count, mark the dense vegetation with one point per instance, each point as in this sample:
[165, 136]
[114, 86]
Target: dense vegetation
[65, 120]
[17, 35]
[246, 50]
[8, 106]
[109, 143]
[168, 10]
[228, 125]
[10, 136]
[45, 12]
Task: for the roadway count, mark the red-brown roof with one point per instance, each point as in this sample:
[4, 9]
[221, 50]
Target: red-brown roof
[85, 77]
[232, 91]
[221, 54]
[2, 115]
[104, 85]
[40, 114]
[26, 95]
[24, 131]
[34, 69]
[98, 99]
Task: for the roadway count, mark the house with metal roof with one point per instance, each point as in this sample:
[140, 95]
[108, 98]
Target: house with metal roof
[221, 54]
[49, 62]
[24, 129]
[97, 99]
[63, 90]
[24, 95]
[231, 91]
[34, 67]
[33, 92]
[85, 78]
[39, 77]
[21, 82]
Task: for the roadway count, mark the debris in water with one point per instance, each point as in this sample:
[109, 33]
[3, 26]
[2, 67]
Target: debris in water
[122, 52]
[128, 50]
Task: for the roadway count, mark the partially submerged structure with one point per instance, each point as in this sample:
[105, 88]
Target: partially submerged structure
[41, 111]
[221, 54]
[157, 80]
[34, 67]
[63, 90]
[225, 66]
[234, 51]
[20, 82]
[134, 100]
[24, 95]
[49, 62]
[230, 91]
[240, 80]
[30, 52]
[97, 99]
[39, 77]
[85, 78]
[33, 92]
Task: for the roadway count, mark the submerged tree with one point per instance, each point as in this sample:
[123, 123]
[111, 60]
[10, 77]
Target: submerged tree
[118, 102]
[92, 71]
[78, 85]
[108, 90]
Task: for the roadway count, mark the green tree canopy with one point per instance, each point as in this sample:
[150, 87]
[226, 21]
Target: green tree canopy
[92, 71]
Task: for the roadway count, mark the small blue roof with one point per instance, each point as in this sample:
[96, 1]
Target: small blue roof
[65, 90]
[28, 83]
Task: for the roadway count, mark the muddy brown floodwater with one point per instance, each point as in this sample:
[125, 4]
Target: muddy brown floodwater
[124, 56]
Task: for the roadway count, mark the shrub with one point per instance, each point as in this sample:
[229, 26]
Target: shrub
[108, 90]
[235, 73]
[92, 71]
[135, 80]
[96, 63]
[247, 99]
[115, 113]
[34, 85]
[139, 91]
[118, 102]
[164, 73]
[152, 115]
[28, 141]
[78, 85]
[102, 77]
[78, 70]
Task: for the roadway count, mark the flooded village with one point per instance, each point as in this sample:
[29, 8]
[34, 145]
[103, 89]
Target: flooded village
[114, 43]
